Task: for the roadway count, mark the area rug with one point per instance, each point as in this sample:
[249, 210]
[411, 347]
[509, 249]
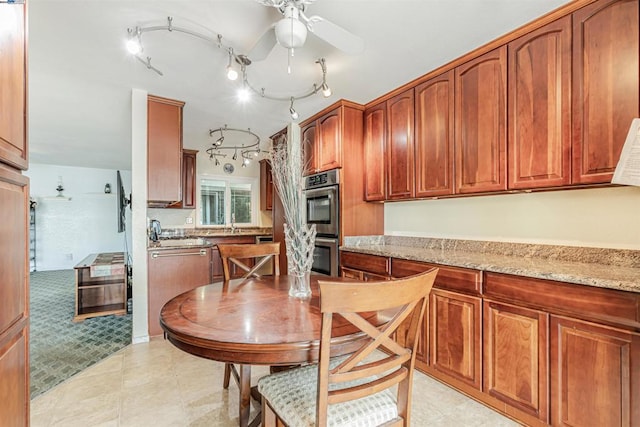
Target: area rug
[58, 347]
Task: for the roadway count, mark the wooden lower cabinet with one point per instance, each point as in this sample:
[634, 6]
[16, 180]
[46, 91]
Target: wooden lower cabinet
[172, 272]
[515, 355]
[455, 336]
[538, 351]
[595, 374]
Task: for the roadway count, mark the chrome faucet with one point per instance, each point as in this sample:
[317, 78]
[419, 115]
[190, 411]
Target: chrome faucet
[233, 223]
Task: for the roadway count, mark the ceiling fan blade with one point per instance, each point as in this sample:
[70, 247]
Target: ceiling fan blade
[335, 35]
[264, 46]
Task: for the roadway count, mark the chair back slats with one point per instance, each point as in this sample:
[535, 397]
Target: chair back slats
[372, 387]
[377, 367]
[236, 253]
[366, 372]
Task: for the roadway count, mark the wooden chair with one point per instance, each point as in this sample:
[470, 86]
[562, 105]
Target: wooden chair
[234, 254]
[356, 387]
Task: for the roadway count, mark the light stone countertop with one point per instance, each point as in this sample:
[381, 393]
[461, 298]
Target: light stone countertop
[605, 268]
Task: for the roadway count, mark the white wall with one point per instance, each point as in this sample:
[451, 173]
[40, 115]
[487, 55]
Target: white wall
[179, 218]
[604, 217]
[68, 231]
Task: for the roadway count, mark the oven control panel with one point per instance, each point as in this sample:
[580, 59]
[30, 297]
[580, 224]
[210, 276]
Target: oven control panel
[322, 179]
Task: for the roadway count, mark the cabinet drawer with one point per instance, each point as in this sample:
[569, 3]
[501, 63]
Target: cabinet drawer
[452, 278]
[586, 302]
[370, 263]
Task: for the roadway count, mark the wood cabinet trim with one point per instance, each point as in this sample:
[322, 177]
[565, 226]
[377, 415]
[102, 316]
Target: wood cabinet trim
[341, 103]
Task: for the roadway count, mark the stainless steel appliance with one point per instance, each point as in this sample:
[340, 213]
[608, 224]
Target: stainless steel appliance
[267, 269]
[325, 256]
[322, 195]
[322, 202]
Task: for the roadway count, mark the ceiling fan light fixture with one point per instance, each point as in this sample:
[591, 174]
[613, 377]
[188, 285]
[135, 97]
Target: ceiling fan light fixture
[291, 33]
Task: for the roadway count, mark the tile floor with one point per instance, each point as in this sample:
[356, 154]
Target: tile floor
[155, 384]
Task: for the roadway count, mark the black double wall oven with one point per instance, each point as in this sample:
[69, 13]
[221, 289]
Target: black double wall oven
[322, 199]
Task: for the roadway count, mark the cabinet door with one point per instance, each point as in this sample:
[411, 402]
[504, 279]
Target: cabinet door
[329, 149]
[172, 272]
[14, 293]
[164, 150]
[13, 86]
[351, 273]
[454, 337]
[480, 144]
[595, 378]
[515, 357]
[434, 136]
[266, 186]
[374, 152]
[189, 178]
[540, 107]
[400, 175]
[309, 143]
[605, 86]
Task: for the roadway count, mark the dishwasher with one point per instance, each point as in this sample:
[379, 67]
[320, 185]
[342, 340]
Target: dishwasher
[267, 269]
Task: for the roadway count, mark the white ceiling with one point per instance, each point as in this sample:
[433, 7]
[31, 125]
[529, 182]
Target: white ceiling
[80, 75]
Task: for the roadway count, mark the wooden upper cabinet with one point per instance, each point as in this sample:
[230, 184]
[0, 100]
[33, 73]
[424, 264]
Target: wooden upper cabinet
[329, 148]
[309, 144]
[189, 178]
[374, 152]
[400, 166]
[266, 186]
[164, 151]
[322, 139]
[481, 87]
[434, 112]
[13, 89]
[605, 86]
[540, 107]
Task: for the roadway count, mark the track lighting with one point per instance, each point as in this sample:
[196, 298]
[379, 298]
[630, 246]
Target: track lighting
[244, 148]
[134, 46]
[243, 94]
[326, 90]
[294, 113]
[232, 74]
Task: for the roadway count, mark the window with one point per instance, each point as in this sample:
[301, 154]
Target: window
[223, 201]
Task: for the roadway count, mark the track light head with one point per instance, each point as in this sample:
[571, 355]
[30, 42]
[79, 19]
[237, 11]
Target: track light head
[134, 44]
[292, 111]
[326, 90]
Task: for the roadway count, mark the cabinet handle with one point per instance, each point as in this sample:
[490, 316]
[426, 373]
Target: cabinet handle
[202, 252]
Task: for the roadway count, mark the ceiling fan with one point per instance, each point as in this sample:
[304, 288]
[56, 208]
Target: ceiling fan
[291, 31]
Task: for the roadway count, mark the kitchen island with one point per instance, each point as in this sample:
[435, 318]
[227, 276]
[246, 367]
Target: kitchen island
[545, 334]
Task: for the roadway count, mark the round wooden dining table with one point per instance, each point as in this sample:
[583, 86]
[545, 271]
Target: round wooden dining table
[255, 322]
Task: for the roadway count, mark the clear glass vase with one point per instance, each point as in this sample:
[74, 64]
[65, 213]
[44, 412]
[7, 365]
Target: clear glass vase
[300, 243]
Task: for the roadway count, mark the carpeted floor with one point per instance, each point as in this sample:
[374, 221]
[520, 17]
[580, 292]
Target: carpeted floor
[60, 348]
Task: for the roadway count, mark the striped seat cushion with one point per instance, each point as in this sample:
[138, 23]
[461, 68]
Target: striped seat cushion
[292, 395]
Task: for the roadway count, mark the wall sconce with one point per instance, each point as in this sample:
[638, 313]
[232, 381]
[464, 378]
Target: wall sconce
[107, 188]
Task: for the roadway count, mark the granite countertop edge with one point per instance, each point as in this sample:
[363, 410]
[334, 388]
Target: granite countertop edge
[589, 274]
